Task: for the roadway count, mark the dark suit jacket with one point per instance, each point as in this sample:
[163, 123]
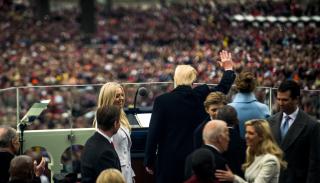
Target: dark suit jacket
[220, 161]
[35, 180]
[197, 134]
[236, 153]
[98, 155]
[5, 159]
[301, 147]
[194, 179]
[175, 116]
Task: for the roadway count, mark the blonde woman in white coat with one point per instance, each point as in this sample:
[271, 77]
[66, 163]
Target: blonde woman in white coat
[263, 159]
[112, 93]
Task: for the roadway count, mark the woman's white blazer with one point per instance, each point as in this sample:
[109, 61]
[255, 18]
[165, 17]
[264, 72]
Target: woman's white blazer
[122, 144]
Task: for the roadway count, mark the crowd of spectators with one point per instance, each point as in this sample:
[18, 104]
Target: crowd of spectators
[134, 44]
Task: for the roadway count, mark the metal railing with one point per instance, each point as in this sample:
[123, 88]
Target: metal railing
[67, 122]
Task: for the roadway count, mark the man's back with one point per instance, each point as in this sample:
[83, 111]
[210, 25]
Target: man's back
[97, 156]
[181, 112]
[5, 159]
[174, 117]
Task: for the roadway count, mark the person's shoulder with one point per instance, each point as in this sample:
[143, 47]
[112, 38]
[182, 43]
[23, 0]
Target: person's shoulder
[94, 136]
[270, 159]
[269, 156]
[307, 117]
[274, 117]
[95, 140]
[6, 155]
[163, 96]
[120, 135]
[90, 139]
[201, 87]
[262, 105]
[263, 108]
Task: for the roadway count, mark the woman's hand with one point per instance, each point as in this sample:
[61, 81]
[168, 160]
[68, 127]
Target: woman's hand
[223, 175]
[149, 170]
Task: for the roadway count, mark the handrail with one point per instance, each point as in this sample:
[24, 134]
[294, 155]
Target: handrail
[64, 138]
[20, 95]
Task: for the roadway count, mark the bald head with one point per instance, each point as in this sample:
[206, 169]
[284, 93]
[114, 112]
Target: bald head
[216, 133]
[21, 168]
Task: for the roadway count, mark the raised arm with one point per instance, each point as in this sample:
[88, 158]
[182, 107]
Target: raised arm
[228, 75]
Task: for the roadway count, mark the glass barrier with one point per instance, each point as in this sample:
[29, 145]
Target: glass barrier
[70, 113]
[263, 94]
[73, 106]
[8, 106]
[309, 102]
[69, 106]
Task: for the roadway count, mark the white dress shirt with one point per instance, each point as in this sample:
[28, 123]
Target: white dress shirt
[292, 116]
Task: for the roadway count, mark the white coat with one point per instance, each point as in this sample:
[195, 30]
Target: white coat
[122, 144]
[264, 169]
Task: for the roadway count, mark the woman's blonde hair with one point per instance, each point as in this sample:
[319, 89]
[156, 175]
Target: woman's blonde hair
[184, 75]
[110, 175]
[107, 97]
[267, 144]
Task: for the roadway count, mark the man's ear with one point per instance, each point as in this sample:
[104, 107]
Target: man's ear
[206, 109]
[219, 138]
[15, 144]
[15, 141]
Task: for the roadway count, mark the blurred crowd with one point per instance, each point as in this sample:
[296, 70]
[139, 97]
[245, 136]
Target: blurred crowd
[135, 44]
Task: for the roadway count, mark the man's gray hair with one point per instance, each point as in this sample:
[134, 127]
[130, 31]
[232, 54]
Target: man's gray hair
[7, 134]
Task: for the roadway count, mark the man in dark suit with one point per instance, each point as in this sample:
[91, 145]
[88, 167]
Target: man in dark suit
[174, 118]
[236, 152]
[9, 147]
[298, 135]
[99, 153]
[216, 139]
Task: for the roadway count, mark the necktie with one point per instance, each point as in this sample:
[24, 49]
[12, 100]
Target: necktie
[112, 144]
[285, 127]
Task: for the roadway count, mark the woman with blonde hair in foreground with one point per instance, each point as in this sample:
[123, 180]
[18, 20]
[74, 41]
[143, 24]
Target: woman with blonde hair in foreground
[263, 156]
[110, 176]
[112, 93]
